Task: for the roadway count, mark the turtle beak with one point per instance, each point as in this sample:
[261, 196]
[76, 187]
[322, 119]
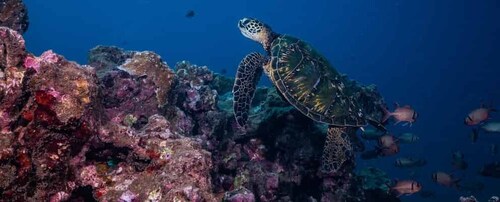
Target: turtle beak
[242, 23]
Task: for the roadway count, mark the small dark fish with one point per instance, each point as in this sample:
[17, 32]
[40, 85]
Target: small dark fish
[458, 155]
[445, 179]
[491, 170]
[493, 149]
[377, 124]
[408, 138]
[474, 135]
[190, 14]
[460, 164]
[223, 71]
[458, 160]
[409, 162]
[371, 134]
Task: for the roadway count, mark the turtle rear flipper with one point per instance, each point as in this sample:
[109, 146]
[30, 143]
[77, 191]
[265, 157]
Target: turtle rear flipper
[247, 77]
[337, 151]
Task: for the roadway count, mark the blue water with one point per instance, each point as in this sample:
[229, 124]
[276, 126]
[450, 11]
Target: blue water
[441, 57]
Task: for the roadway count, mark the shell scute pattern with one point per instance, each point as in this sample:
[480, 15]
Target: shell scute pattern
[309, 83]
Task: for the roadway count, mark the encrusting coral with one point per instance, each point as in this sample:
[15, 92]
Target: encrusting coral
[13, 14]
[126, 127]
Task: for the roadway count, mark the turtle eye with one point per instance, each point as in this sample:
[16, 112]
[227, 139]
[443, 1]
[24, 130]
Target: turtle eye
[245, 21]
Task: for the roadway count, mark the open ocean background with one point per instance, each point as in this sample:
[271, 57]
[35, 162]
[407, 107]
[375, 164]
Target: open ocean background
[440, 57]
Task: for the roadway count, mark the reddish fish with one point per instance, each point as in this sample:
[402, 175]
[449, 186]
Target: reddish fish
[405, 187]
[386, 140]
[401, 114]
[390, 150]
[478, 116]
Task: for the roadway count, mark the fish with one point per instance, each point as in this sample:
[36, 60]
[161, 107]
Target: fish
[491, 170]
[409, 162]
[474, 135]
[401, 114]
[460, 164]
[387, 140]
[445, 179]
[390, 150]
[478, 116]
[371, 134]
[457, 155]
[407, 138]
[458, 160]
[491, 127]
[493, 149]
[405, 187]
[190, 14]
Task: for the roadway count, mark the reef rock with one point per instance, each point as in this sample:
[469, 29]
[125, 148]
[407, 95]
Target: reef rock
[13, 14]
[149, 64]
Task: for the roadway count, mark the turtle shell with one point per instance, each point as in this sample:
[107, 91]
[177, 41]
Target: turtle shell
[311, 84]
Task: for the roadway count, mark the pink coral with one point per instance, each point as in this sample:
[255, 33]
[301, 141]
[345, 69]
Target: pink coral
[88, 176]
[59, 196]
[48, 57]
[128, 196]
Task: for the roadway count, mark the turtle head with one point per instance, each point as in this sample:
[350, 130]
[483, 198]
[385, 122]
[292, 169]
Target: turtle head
[257, 31]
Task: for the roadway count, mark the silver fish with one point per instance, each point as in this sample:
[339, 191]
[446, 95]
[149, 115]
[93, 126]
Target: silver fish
[407, 138]
[492, 127]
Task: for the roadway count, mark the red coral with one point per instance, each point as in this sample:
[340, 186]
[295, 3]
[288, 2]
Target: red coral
[44, 98]
[24, 161]
[45, 117]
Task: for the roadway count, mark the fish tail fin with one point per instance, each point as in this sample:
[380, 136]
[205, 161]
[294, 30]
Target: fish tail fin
[387, 114]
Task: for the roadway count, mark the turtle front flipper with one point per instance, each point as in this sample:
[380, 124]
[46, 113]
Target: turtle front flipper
[337, 151]
[247, 77]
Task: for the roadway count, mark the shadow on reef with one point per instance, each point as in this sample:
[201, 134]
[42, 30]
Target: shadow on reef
[127, 127]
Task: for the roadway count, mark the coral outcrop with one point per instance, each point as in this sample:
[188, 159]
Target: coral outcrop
[127, 127]
[13, 14]
[149, 64]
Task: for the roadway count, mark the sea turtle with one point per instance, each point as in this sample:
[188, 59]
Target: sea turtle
[307, 81]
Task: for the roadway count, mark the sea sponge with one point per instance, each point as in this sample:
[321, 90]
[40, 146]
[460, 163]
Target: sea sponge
[150, 64]
[338, 149]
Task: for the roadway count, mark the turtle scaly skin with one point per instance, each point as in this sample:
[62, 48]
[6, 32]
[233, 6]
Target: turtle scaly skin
[308, 82]
[247, 77]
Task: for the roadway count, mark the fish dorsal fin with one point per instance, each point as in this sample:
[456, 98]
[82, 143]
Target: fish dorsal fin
[407, 106]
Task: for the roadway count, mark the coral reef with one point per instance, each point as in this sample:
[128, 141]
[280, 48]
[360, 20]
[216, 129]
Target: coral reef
[126, 127]
[374, 178]
[149, 64]
[106, 58]
[13, 14]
